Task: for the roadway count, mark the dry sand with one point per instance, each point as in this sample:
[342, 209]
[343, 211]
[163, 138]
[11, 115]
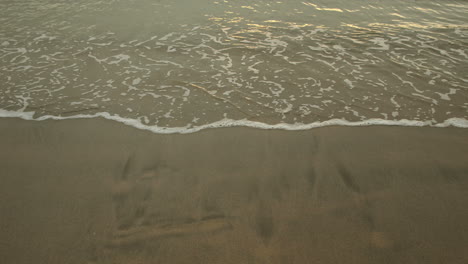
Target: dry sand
[96, 191]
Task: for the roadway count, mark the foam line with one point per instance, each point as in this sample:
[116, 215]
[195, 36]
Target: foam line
[455, 122]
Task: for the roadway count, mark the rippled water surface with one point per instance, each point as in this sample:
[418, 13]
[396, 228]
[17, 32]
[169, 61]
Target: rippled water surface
[191, 63]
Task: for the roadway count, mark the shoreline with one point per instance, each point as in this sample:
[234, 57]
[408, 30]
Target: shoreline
[98, 191]
[243, 123]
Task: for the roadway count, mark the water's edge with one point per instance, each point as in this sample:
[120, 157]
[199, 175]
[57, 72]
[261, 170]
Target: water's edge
[451, 122]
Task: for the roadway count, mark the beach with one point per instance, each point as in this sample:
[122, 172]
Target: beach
[256, 132]
[97, 191]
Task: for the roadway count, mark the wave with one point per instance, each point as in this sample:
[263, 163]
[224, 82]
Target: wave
[451, 122]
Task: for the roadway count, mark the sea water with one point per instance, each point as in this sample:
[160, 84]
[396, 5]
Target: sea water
[179, 66]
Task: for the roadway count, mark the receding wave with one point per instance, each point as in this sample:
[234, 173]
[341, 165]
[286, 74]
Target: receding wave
[181, 67]
[455, 122]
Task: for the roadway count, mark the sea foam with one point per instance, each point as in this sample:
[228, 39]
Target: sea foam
[454, 122]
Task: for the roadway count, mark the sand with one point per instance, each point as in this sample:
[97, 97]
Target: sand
[96, 191]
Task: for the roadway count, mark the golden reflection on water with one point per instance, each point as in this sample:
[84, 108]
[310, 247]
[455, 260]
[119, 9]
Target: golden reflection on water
[227, 20]
[426, 10]
[398, 15]
[412, 25]
[254, 27]
[248, 7]
[331, 9]
[402, 25]
[323, 8]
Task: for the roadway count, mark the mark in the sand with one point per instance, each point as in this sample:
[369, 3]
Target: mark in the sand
[452, 174]
[360, 197]
[264, 222]
[126, 169]
[121, 190]
[144, 234]
[348, 179]
[367, 216]
[132, 191]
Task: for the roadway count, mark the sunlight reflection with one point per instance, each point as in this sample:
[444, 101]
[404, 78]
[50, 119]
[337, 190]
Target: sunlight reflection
[323, 8]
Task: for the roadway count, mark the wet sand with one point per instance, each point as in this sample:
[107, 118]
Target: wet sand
[96, 191]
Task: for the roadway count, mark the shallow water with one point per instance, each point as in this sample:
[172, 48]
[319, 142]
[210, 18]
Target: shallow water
[199, 63]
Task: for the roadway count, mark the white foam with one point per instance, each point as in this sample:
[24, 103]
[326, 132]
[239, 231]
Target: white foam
[136, 81]
[349, 83]
[455, 122]
[22, 115]
[382, 43]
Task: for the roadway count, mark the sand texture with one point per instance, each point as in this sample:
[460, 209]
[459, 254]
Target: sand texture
[95, 191]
